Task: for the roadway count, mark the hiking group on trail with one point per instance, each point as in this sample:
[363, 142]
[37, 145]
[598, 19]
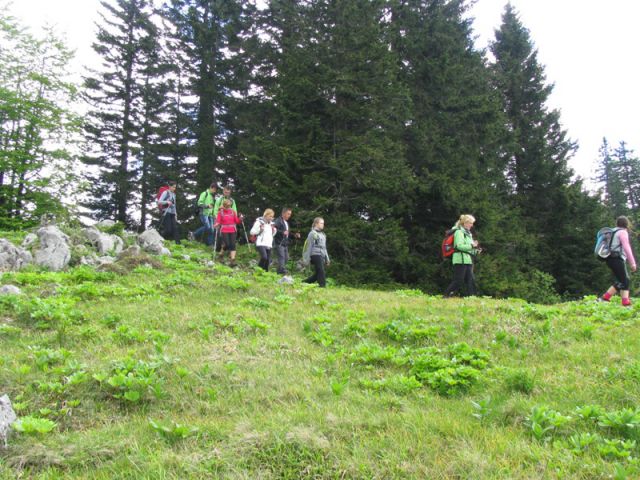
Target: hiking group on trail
[220, 219]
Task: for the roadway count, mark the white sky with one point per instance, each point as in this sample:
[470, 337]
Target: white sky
[588, 48]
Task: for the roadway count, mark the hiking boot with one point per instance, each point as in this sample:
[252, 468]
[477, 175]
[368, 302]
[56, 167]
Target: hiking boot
[602, 299]
[233, 264]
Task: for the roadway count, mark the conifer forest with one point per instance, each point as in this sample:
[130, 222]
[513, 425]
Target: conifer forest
[381, 116]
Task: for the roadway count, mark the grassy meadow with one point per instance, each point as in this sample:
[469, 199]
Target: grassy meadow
[171, 369]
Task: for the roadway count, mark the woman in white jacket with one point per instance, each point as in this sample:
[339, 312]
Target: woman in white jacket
[263, 229]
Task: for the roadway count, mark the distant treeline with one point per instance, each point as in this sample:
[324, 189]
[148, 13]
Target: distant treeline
[381, 116]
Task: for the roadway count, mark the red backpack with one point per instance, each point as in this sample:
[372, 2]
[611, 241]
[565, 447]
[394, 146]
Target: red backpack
[447, 244]
[252, 237]
[161, 190]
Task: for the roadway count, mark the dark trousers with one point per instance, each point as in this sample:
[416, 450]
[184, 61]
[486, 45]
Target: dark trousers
[462, 275]
[218, 240]
[318, 263]
[283, 257]
[619, 270]
[170, 227]
[265, 257]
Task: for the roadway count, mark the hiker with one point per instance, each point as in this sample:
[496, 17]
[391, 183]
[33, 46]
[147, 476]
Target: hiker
[206, 202]
[621, 254]
[263, 229]
[226, 195]
[281, 239]
[315, 252]
[465, 248]
[228, 220]
[169, 221]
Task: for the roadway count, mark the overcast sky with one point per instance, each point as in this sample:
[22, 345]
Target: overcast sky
[588, 48]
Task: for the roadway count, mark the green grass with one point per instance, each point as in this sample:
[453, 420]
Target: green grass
[189, 371]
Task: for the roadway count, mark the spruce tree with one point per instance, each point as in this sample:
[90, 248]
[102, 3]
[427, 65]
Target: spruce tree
[453, 136]
[328, 134]
[537, 152]
[207, 37]
[627, 168]
[122, 109]
[608, 176]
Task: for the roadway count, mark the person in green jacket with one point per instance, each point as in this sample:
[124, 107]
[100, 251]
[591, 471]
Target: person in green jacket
[465, 249]
[206, 202]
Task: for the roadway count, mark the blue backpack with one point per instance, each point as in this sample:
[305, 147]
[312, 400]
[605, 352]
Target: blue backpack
[604, 239]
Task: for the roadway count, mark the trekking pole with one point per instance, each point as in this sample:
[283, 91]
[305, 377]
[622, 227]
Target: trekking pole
[245, 234]
[215, 244]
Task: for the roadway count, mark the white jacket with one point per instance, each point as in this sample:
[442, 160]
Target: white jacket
[264, 238]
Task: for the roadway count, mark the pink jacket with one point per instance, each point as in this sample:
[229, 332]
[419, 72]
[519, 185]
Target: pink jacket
[623, 235]
[228, 219]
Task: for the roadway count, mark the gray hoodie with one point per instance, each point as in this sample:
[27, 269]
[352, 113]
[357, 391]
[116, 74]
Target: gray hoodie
[316, 245]
[166, 197]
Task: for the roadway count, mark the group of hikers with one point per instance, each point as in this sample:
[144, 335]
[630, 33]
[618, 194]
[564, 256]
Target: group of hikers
[220, 219]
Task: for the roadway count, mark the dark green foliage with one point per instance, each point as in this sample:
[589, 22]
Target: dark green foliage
[124, 126]
[324, 134]
[380, 116]
[520, 381]
[619, 175]
[558, 218]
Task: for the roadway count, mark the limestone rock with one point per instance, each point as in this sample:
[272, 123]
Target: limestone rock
[132, 251]
[9, 290]
[54, 252]
[7, 417]
[151, 241]
[29, 240]
[104, 242]
[12, 257]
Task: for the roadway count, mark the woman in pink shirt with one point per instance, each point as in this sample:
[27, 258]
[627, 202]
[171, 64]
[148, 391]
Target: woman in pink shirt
[227, 220]
[620, 253]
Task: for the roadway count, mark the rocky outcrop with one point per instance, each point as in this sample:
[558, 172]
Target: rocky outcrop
[29, 240]
[151, 241]
[53, 252]
[103, 242]
[7, 417]
[12, 257]
[9, 290]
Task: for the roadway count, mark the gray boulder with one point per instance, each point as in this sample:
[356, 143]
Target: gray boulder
[103, 242]
[90, 260]
[12, 257]
[132, 251]
[7, 417]
[9, 290]
[105, 260]
[286, 280]
[29, 240]
[54, 252]
[151, 241]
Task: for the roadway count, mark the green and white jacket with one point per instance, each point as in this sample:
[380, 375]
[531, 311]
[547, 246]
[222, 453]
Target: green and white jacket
[463, 246]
